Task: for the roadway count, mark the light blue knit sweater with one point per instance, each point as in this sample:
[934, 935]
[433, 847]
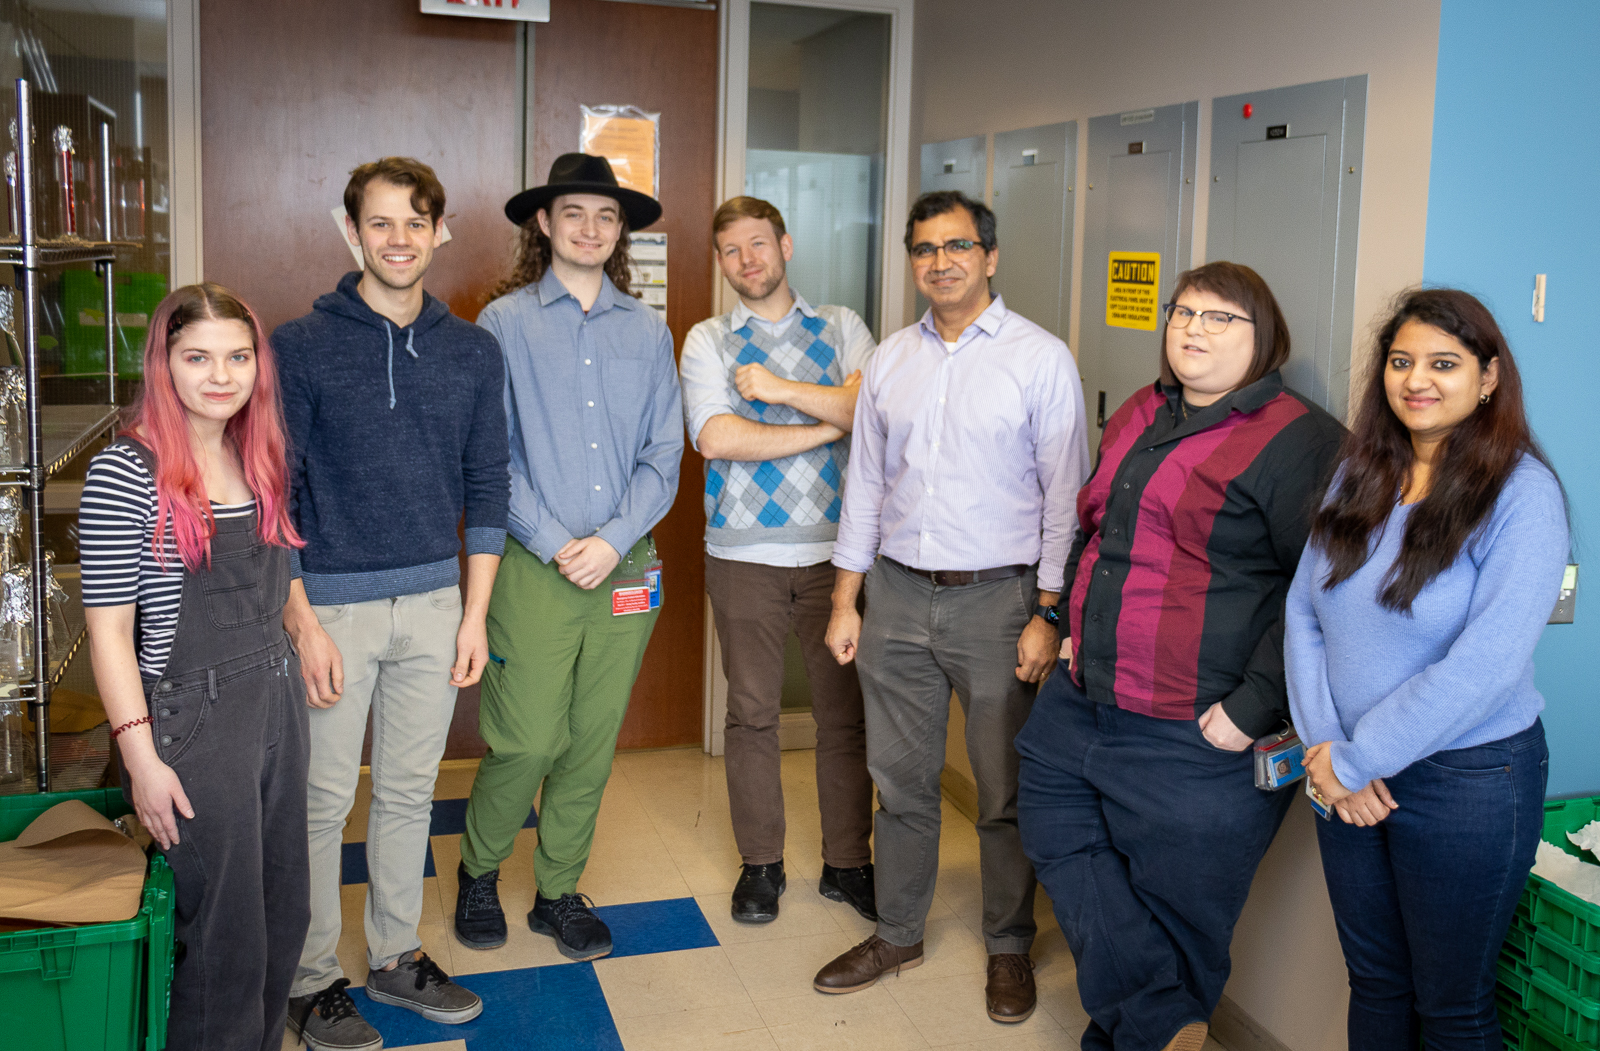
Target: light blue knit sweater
[1390, 688]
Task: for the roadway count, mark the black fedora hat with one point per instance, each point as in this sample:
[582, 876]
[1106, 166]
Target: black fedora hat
[582, 173]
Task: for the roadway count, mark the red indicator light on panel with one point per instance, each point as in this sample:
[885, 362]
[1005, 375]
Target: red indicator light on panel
[1249, 111]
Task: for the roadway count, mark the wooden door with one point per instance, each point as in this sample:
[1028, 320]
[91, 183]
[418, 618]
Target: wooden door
[663, 60]
[295, 93]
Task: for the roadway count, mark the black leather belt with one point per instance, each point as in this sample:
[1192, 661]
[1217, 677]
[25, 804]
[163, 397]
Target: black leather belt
[949, 578]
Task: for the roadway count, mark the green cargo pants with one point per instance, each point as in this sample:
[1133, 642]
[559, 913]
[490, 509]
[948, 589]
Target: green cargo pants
[555, 691]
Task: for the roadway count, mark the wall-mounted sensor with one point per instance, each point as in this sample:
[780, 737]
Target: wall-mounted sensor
[1538, 297]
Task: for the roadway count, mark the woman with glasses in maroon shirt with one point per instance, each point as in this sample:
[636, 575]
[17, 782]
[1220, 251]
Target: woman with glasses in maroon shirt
[1137, 799]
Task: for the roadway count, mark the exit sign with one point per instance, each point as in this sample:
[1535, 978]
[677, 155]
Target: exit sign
[515, 10]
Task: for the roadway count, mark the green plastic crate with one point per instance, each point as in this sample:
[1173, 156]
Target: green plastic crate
[1525, 1033]
[1577, 970]
[100, 987]
[1547, 1000]
[1565, 916]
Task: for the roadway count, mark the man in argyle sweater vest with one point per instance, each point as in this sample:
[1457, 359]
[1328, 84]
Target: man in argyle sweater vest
[769, 396]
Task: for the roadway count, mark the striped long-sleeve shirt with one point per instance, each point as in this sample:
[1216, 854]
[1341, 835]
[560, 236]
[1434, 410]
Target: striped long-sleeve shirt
[1189, 532]
[116, 534]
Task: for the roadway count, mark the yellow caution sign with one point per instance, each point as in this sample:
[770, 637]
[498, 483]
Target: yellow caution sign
[1133, 283]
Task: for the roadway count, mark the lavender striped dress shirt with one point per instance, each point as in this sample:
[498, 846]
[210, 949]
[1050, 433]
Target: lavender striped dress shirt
[967, 458]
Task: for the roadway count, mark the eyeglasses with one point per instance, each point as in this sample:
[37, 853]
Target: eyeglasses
[1212, 321]
[958, 247]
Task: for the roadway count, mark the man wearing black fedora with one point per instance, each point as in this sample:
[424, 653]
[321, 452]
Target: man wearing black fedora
[596, 427]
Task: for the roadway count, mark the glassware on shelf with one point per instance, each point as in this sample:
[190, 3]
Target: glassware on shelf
[10, 526]
[16, 625]
[16, 743]
[60, 634]
[13, 415]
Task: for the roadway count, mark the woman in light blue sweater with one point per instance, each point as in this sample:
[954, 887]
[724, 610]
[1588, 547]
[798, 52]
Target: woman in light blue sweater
[1433, 566]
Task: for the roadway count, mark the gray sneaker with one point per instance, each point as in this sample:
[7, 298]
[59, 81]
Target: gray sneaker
[329, 1021]
[419, 985]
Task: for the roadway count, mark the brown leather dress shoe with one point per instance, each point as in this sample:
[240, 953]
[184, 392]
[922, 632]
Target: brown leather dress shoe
[1010, 993]
[857, 969]
[1191, 1037]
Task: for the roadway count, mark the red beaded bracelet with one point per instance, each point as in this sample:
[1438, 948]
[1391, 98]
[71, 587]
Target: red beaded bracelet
[128, 726]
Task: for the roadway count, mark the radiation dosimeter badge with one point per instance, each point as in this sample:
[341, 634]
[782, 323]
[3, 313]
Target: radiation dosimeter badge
[1280, 760]
[642, 595]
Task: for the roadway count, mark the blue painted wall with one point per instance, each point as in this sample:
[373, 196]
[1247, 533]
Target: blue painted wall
[1512, 193]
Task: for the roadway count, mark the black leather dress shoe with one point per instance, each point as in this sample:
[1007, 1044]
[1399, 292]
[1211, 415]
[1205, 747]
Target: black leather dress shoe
[755, 896]
[854, 887]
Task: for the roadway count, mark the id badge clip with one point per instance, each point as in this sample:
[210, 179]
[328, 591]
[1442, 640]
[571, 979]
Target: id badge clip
[1280, 760]
[640, 594]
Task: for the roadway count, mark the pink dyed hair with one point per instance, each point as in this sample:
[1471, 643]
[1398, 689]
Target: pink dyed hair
[160, 421]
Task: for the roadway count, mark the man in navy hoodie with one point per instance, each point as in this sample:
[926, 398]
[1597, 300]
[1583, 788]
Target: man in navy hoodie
[397, 428]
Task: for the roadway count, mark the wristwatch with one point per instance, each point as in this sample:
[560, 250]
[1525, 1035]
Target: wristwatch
[1051, 614]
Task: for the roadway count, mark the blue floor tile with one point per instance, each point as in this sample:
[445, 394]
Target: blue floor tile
[657, 926]
[450, 818]
[559, 1008]
[353, 863]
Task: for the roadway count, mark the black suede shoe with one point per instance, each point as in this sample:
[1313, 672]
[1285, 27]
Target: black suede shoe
[854, 887]
[755, 896]
[480, 922]
[570, 920]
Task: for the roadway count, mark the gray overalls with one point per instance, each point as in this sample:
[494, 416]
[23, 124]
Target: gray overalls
[229, 716]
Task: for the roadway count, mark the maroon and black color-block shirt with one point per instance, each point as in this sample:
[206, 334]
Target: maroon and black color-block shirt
[1189, 533]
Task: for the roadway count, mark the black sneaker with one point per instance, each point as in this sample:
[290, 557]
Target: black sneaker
[480, 922]
[329, 1021]
[570, 920]
[419, 985]
[854, 887]
[755, 896]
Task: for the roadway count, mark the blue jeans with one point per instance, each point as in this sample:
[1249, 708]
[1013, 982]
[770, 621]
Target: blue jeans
[1146, 838]
[1423, 900]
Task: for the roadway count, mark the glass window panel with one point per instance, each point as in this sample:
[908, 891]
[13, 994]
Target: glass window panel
[815, 141]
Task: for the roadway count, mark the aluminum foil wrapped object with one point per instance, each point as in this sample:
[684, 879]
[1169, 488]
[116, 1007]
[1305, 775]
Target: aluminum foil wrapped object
[10, 511]
[16, 597]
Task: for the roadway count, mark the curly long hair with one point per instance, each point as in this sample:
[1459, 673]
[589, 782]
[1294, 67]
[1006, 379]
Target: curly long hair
[531, 259]
[1476, 460]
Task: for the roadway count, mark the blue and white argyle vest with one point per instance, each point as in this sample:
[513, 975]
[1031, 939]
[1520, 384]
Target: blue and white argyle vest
[794, 500]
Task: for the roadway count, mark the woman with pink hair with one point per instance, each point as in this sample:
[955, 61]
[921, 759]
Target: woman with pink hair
[185, 540]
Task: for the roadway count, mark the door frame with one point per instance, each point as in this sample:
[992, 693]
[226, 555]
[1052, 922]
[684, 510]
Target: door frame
[732, 116]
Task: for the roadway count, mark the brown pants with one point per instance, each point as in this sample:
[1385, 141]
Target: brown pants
[754, 606]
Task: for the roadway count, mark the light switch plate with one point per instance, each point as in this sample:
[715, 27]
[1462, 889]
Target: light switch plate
[1567, 603]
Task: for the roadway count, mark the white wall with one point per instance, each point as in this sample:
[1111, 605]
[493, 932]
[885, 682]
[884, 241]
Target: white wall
[1006, 64]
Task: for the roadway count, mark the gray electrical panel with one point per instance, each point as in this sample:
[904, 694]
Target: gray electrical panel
[960, 164]
[1034, 181]
[1139, 216]
[1285, 201]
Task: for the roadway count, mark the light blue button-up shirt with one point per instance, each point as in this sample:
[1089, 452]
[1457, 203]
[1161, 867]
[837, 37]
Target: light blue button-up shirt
[966, 457]
[594, 413]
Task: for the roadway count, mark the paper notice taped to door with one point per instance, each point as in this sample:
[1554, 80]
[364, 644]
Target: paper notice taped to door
[1133, 285]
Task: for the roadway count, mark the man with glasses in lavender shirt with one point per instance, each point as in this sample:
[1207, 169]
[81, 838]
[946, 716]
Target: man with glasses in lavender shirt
[969, 451]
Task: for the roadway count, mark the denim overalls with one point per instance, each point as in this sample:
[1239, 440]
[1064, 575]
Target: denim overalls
[229, 716]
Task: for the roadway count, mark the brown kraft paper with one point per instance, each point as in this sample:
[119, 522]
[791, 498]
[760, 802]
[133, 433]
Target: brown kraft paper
[70, 866]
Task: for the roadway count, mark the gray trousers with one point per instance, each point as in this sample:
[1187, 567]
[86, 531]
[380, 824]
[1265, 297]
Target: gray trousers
[918, 642]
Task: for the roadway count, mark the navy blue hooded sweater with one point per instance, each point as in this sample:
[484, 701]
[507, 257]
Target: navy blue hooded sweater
[393, 433]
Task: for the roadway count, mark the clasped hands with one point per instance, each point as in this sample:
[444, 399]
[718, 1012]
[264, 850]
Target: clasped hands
[1364, 808]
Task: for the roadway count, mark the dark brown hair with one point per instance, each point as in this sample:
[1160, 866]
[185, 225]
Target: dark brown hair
[1240, 285]
[427, 192]
[736, 208]
[531, 258]
[1474, 462]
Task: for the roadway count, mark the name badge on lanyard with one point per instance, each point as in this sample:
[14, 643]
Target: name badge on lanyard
[641, 594]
